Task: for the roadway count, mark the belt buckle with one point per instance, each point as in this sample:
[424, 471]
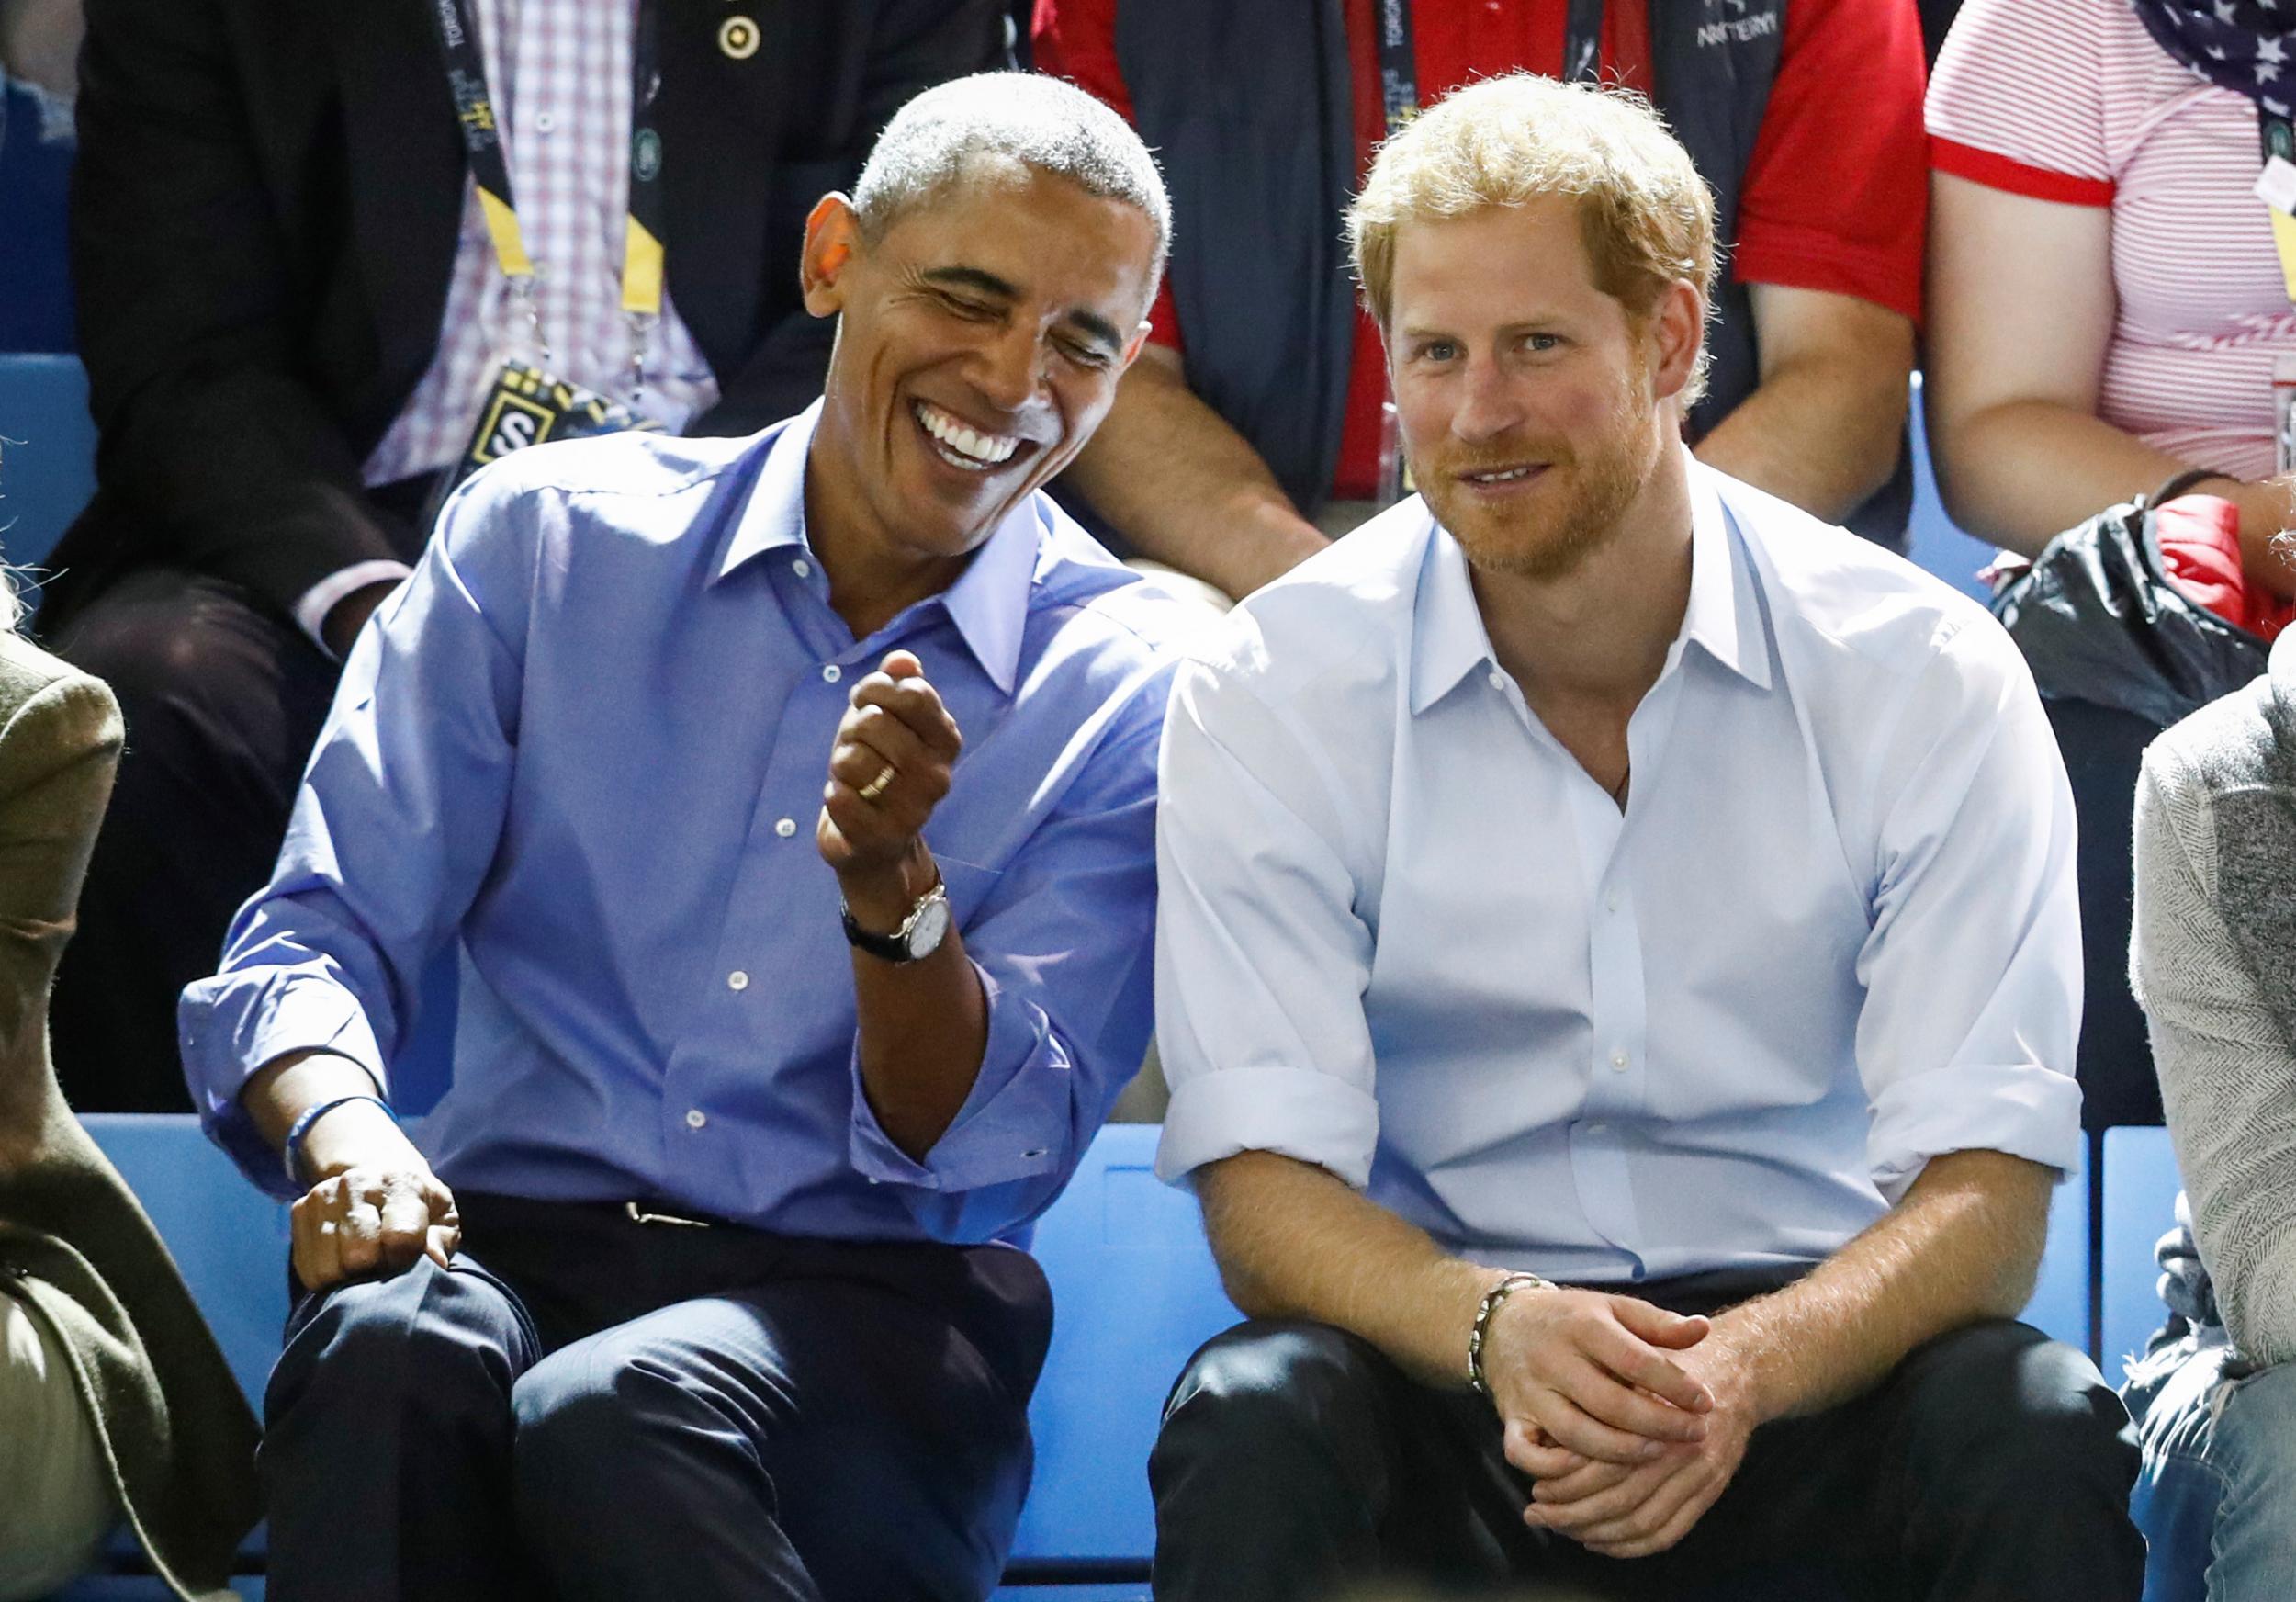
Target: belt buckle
[639, 1216]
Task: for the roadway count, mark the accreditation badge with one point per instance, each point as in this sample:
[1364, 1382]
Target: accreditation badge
[525, 405]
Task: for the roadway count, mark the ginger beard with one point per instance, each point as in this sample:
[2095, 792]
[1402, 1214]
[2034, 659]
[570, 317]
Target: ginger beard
[1544, 529]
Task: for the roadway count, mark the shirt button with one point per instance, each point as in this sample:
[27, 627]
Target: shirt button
[696, 1118]
[832, 673]
[737, 980]
[785, 828]
[802, 568]
[1617, 1059]
[1611, 901]
[1498, 680]
[545, 122]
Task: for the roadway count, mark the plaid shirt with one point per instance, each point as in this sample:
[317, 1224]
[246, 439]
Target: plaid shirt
[560, 74]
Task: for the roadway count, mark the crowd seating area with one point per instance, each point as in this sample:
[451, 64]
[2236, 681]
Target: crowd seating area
[1135, 1293]
[1133, 1282]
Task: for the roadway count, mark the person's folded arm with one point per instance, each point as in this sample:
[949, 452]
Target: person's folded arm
[392, 831]
[189, 322]
[2021, 307]
[1185, 488]
[1057, 962]
[1823, 427]
[2227, 1063]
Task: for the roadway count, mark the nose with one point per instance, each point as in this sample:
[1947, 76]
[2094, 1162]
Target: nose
[1011, 368]
[1488, 406]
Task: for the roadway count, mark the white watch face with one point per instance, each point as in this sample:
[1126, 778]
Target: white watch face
[930, 925]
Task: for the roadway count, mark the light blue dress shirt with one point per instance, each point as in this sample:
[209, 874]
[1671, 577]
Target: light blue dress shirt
[590, 738]
[1405, 936]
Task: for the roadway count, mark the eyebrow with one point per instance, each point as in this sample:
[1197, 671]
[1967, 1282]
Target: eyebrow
[988, 283]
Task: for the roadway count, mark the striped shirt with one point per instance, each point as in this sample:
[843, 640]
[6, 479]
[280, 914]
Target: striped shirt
[2072, 101]
[560, 74]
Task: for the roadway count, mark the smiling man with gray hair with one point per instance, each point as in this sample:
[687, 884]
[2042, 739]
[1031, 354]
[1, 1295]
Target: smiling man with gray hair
[775, 1018]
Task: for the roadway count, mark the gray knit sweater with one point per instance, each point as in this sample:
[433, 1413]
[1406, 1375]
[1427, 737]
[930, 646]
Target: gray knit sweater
[2213, 962]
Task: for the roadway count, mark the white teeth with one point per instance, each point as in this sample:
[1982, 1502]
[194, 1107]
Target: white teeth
[1499, 478]
[967, 448]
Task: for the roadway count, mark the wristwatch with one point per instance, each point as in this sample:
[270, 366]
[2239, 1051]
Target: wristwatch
[918, 937]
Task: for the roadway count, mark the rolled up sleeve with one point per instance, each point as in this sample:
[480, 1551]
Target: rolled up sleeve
[390, 835]
[1973, 966]
[1261, 961]
[1063, 945]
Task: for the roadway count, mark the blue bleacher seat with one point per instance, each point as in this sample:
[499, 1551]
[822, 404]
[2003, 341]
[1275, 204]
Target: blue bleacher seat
[2140, 1206]
[2060, 1304]
[1134, 1293]
[46, 453]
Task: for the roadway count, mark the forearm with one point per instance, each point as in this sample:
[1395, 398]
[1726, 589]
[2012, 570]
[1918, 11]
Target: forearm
[923, 1025]
[355, 1133]
[1294, 1242]
[1964, 1245]
[2023, 471]
[1822, 432]
[1185, 488]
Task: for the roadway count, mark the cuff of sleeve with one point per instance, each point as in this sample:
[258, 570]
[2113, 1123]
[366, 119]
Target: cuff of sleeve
[231, 1030]
[1294, 1112]
[1995, 171]
[1014, 1122]
[2021, 1109]
[311, 609]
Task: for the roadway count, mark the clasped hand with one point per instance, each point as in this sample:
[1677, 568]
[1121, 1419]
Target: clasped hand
[1632, 1420]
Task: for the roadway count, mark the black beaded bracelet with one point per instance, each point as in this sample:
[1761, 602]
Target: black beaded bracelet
[1483, 1315]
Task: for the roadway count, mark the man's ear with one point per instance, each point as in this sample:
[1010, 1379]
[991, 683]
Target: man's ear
[1133, 347]
[1678, 333]
[833, 241]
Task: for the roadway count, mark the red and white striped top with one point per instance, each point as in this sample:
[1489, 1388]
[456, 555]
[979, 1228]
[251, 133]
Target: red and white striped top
[2071, 100]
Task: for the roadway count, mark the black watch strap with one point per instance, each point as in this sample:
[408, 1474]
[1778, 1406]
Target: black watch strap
[890, 948]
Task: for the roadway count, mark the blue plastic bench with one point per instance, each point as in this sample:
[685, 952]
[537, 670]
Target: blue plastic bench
[46, 453]
[2140, 1206]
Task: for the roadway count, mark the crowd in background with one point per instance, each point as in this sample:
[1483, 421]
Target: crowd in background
[286, 291]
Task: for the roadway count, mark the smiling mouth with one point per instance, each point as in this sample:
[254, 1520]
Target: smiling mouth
[1503, 475]
[961, 444]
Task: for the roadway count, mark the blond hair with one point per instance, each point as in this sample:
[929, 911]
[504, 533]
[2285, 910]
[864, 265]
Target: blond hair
[1645, 214]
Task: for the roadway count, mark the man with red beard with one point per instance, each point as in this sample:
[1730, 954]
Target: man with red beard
[1618, 972]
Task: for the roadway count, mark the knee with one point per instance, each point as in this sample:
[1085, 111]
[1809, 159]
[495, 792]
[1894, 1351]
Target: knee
[1268, 1389]
[2004, 1406]
[425, 1343]
[158, 639]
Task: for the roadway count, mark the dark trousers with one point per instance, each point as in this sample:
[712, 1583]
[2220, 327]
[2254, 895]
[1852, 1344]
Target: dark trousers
[587, 1407]
[1993, 1465]
[222, 699]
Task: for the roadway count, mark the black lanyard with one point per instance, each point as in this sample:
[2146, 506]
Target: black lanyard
[1399, 68]
[458, 31]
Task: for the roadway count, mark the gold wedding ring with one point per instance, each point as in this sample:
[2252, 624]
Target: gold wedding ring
[876, 787]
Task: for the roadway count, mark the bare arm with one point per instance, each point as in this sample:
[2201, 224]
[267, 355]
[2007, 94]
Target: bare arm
[1824, 427]
[1964, 1245]
[2022, 310]
[1575, 1374]
[1185, 488]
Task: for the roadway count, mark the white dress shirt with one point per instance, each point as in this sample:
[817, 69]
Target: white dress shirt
[1405, 936]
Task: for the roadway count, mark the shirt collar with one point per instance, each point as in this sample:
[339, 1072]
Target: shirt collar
[1723, 618]
[989, 602]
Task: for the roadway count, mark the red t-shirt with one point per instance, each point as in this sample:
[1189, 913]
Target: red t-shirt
[1835, 197]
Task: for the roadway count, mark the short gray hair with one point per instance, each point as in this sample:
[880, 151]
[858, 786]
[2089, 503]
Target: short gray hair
[1020, 117]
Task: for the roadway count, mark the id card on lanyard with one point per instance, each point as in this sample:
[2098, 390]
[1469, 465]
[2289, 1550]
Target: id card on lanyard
[1398, 96]
[523, 402]
[2276, 186]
